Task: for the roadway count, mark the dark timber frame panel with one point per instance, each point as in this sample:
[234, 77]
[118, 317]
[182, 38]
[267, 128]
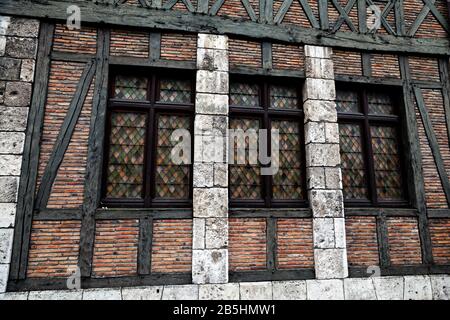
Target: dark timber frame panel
[262, 29]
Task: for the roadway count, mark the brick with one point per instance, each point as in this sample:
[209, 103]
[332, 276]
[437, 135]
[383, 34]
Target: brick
[244, 53]
[404, 241]
[83, 40]
[295, 244]
[288, 57]
[440, 240]
[362, 242]
[180, 47]
[127, 43]
[347, 63]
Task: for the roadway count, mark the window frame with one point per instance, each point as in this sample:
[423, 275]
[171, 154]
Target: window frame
[265, 115]
[365, 120]
[152, 108]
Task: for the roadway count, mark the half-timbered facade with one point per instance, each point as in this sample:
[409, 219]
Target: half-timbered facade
[93, 92]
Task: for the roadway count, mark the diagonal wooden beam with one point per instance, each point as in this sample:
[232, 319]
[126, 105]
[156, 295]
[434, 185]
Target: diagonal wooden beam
[432, 140]
[145, 3]
[282, 11]
[216, 7]
[439, 17]
[429, 6]
[250, 11]
[63, 139]
[344, 16]
[202, 6]
[189, 5]
[309, 13]
[384, 14]
[169, 4]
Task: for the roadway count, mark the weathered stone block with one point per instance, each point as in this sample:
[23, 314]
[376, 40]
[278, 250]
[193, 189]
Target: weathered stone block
[27, 70]
[2, 46]
[323, 231]
[186, 292]
[339, 233]
[212, 60]
[4, 24]
[11, 142]
[198, 236]
[359, 289]
[333, 178]
[208, 103]
[13, 119]
[319, 68]
[210, 203]
[320, 110]
[9, 68]
[216, 233]
[331, 133]
[388, 288]
[229, 291]
[221, 175]
[6, 239]
[210, 148]
[256, 290]
[212, 82]
[10, 165]
[315, 178]
[315, 132]
[8, 189]
[142, 293]
[212, 41]
[327, 203]
[14, 296]
[289, 290]
[2, 91]
[418, 288]
[440, 285]
[203, 175]
[4, 273]
[56, 295]
[322, 155]
[18, 94]
[23, 27]
[330, 263]
[7, 214]
[102, 294]
[319, 89]
[210, 125]
[318, 52]
[325, 289]
[210, 266]
[21, 47]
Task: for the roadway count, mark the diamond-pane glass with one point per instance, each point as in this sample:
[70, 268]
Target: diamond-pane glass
[287, 181]
[245, 178]
[172, 180]
[347, 101]
[244, 94]
[352, 162]
[126, 155]
[175, 91]
[130, 88]
[387, 163]
[380, 103]
[284, 97]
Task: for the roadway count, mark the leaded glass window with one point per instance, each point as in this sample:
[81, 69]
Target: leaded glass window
[273, 105]
[143, 113]
[369, 127]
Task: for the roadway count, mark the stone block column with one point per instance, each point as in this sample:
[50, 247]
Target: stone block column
[324, 178]
[210, 196]
[18, 45]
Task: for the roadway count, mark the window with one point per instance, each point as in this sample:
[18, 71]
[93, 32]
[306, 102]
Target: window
[143, 112]
[268, 105]
[370, 142]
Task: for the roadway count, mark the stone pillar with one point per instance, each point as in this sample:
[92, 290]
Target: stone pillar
[210, 196]
[324, 179]
[18, 45]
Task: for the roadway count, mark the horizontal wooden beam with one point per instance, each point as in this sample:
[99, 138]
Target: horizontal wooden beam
[191, 22]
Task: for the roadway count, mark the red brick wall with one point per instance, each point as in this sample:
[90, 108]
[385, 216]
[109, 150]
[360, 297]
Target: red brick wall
[172, 246]
[247, 244]
[295, 244]
[295, 14]
[129, 43]
[423, 68]
[235, 9]
[385, 66]
[181, 47]
[404, 241]
[430, 28]
[244, 53]
[362, 241]
[288, 57]
[440, 239]
[347, 62]
[333, 15]
[54, 248]
[75, 41]
[64, 78]
[115, 248]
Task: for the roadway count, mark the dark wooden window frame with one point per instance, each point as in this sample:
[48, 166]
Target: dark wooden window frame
[366, 120]
[152, 108]
[266, 114]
